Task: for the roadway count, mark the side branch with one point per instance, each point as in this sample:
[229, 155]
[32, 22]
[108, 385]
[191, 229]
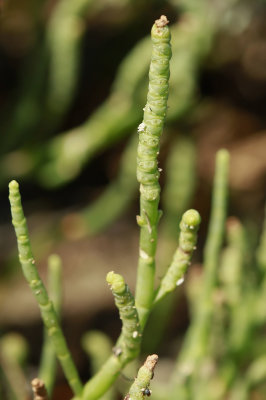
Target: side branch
[31, 274]
[140, 387]
[187, 241]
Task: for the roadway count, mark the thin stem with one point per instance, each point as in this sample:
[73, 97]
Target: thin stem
[217, 220]
[127, 346]
[47, 371]
[261, 250]
[140, 387]
[187, 241]
[150, 131]
[196, 341]
[31, 274]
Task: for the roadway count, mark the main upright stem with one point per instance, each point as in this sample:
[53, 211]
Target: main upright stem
[150, 131]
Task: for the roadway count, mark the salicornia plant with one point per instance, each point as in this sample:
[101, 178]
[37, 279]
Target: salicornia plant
[206, 360]
[133, 316]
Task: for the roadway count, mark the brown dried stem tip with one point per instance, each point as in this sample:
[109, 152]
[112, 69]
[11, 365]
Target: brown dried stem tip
[151, 362]
[39, 389]
[163, 21]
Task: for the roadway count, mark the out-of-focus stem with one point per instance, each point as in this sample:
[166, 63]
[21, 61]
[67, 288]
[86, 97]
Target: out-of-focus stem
[47, 371]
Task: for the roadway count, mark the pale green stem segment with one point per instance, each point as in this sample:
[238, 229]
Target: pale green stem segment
[217, 222]
[47, 371]
[261, 250]
[142, 381]
[187, 241]
[114, 200]
[150, 131]
[98, 347]
[128, 344]
[13, 354]
[232, 261]
[196, 341]
[31, 274]
[180, 184]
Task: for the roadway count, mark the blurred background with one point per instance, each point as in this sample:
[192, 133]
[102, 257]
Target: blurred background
[73, 82]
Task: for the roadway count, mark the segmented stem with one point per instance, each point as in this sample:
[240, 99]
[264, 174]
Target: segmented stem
[129, 342]
[140, 387]
[47, 371]
[150, 131]
[196, 341]
[46, 306]
[174, 276]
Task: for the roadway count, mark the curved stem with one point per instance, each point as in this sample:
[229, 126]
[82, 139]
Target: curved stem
[31, 274]
[188, 237]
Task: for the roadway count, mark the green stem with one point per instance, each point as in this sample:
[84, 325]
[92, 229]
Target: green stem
[31, 274]
[195, 346]
[98, 346]
[140, 387]
[147, 171]
[187, 241]
[13, 354]
[217, 221]
[261, 250]
[128, 343]
[113, 201]
[47, 371]
[127, 346]
[180, 184]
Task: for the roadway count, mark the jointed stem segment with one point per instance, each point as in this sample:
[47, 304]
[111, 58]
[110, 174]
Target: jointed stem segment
[141, 384]
[188, 237]
[129, 341]
[147, 171]
[30, 272]
[47, 370]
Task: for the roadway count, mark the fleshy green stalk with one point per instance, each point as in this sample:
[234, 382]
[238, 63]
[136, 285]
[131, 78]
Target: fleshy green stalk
[180, 183]
[127, 346]
[113, 201]
[30, 272]
[150, 131]
[129, 342]
[98, 347]
[141, 384]
[13, 353]
[261, 250]
[47, 371]
[195, 345]
[187, 241]
[217, 221]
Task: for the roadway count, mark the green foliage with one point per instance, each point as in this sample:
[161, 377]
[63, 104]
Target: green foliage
[227, 312]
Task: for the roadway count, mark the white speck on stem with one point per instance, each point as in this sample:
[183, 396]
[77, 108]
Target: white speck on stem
[141, 127]
[180, 281]
[135, 334]
[143, 254]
